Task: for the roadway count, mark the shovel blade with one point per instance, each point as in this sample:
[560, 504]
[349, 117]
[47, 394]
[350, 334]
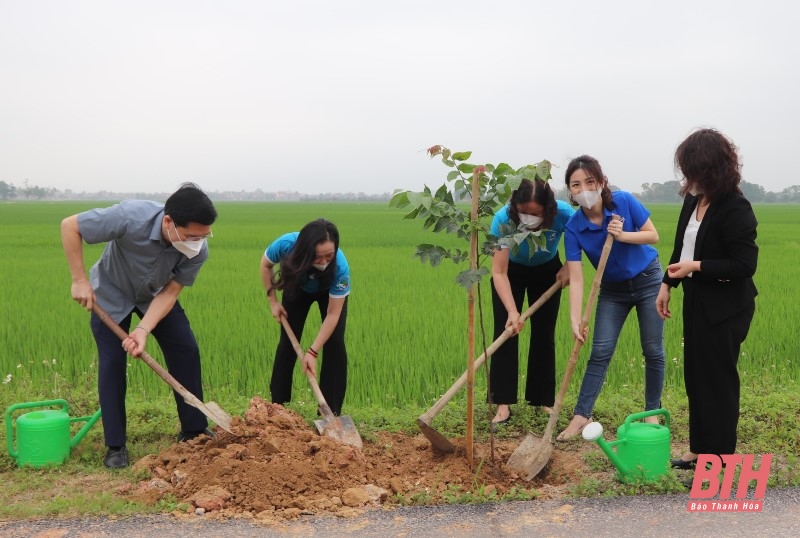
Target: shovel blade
[531, 456]
[340, 428]
[220, 417]
[438, 441]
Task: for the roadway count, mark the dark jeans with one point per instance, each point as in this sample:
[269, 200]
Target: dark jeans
[333, 374]
[540, 383]
[177, 342]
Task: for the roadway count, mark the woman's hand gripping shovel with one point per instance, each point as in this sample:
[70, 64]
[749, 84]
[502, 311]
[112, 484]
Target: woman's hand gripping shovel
[341, 428]
[209, 409]
[533, 453]
[439, 441]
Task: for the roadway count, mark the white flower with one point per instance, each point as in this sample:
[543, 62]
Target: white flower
[7, 380]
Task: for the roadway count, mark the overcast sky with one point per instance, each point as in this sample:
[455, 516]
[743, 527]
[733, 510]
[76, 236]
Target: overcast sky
[344, 96]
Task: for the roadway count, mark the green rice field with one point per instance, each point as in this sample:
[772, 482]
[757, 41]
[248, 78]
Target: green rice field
[406, 328]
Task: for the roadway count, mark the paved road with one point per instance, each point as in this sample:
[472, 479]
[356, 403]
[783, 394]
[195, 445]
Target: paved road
[640, 517]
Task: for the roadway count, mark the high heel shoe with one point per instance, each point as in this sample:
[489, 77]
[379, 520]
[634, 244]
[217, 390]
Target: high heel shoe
[566, 436]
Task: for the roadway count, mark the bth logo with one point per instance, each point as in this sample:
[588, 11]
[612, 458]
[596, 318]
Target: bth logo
[699, 497]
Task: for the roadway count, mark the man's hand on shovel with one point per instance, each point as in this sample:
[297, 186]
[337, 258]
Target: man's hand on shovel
[135, 342]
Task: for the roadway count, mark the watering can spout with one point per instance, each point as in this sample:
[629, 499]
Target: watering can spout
[594, 432]
[90, 421]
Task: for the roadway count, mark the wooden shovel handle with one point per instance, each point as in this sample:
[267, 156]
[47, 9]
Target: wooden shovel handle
[190, 398]
[505, 335]
[587, 314]
[323, 405]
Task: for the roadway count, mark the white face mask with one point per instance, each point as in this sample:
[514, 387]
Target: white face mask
[694, 191]
[586, 199]
[190, 249]
[320, 266]
[531, 221]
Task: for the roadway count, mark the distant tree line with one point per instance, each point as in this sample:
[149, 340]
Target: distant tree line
[666, 192]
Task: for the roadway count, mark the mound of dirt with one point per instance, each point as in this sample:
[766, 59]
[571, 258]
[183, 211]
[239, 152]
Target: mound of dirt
[275, 466]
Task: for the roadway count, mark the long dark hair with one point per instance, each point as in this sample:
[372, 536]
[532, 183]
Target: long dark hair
[538, 191]
[299, 262]
[709, 161]
[591, 166]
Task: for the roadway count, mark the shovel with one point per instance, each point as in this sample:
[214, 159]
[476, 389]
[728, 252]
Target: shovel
[340, 428]
[439, 441]
[209, 409]
[533, 453]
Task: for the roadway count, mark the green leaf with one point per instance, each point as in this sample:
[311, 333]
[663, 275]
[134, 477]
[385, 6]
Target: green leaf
[543, 169]
[413, 214]
[461, 155]
[453, 175]
[528, 172]
[466, 168]
[399, 199]
[467, 279]
[502, 170]
[420, 199]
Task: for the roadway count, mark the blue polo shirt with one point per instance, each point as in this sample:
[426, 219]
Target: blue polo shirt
[502, 226]
[136, 263]
[340, 286]
[625, 260]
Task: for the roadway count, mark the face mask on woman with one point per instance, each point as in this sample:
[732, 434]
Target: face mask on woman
[586, 199]
[531, 221]
[320, 266]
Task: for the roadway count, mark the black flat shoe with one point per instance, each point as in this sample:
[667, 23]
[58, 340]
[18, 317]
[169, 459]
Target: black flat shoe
[116, 458]
[683, 464]
[183, 436]
[503, 422]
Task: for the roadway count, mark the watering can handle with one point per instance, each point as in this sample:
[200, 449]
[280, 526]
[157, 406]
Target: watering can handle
[10, 428]
[645, 414]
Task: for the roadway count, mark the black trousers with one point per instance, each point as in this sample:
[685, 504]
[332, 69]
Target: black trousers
[711, 353]
[182, 355]
[540, 383]
[333, 373]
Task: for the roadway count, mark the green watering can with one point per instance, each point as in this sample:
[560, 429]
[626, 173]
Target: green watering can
[642, 450]
[43, 436]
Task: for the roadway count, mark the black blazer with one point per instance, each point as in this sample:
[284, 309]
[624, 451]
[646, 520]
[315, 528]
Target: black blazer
[726, 247]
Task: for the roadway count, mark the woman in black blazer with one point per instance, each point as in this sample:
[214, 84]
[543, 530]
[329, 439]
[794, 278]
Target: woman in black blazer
[715, 258]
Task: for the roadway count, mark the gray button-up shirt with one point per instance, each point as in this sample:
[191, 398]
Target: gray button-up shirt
[136, 263]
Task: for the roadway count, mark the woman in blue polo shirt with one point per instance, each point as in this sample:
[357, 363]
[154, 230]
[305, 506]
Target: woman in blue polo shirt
[632, 279]
[312, 269]
[514, 272]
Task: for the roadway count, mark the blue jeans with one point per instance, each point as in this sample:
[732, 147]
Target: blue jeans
[613, 305]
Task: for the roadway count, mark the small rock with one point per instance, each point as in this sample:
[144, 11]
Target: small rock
[375, 493]
[354, 497]
[199, 511]
[396, 484]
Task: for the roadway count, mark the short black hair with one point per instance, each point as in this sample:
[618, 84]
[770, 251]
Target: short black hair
[190, 204]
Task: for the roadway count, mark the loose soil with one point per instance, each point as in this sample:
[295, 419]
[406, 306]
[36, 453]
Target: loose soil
[275, 466]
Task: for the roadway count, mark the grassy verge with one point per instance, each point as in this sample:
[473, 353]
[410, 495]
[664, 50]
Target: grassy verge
[769, 424]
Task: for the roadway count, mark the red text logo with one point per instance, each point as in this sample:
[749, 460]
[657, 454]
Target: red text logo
[708, 468]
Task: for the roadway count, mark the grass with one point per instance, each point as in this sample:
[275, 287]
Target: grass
[406, 338]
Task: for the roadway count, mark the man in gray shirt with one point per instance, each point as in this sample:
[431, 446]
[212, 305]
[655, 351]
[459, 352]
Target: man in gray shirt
[152, 251]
